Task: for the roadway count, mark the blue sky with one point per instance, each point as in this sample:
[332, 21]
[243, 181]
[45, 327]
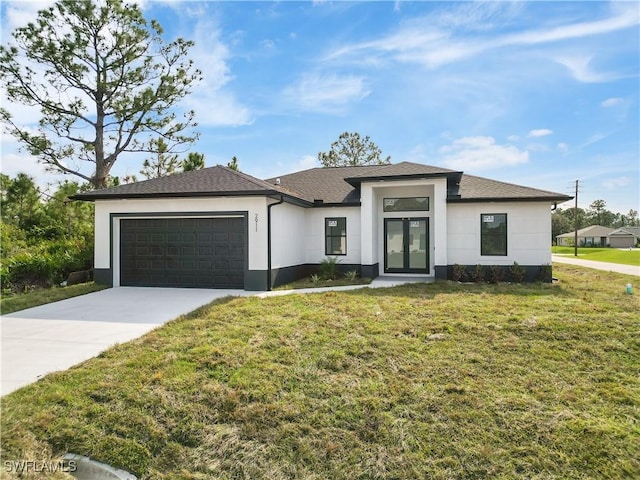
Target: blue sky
[534, 93]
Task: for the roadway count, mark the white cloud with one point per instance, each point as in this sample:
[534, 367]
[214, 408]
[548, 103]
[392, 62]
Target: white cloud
[541, 132]
[579, 66]
[596, 137]
[212, 100]
[430, 41]
[611, 102]
[513, 138]
[14, 163]
[562, 147]
[19, 14]
[325, 92]
[480, 153]
[614, 183]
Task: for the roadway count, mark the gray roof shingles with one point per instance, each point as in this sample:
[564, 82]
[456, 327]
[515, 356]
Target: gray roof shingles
[334, 185]
[214, 181]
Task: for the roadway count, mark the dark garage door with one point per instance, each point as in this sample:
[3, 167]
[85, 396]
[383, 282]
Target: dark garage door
[182, 252]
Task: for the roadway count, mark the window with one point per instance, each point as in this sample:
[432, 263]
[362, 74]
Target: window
[411, 204]
[493, 234]
[335, 232]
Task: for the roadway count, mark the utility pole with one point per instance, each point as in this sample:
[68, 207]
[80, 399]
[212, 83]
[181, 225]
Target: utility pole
[575, 224]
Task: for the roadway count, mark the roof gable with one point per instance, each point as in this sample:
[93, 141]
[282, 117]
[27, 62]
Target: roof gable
[626, 231]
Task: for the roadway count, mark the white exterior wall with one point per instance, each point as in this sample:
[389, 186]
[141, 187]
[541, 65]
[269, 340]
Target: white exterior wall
[373, 215]
[528, 233]
[257, 241]
[288, 231]
[313, 235]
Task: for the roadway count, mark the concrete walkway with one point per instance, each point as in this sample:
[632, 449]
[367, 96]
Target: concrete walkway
[383, 281]
[57, 336]
[609, 267]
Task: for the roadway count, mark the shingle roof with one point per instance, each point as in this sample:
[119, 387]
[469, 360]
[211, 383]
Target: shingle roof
[334, 185]
[626, 231]
[590, 231]
[216, 181]
[474, 188]
[326, 184]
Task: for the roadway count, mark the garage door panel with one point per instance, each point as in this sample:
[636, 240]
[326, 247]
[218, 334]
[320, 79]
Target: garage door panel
[188, 252]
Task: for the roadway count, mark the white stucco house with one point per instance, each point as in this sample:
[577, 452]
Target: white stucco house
[591, 236]
[218, 228]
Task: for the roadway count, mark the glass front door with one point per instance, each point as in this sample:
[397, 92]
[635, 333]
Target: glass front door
[406, 245]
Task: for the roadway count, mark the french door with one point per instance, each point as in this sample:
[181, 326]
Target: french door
[406, 245]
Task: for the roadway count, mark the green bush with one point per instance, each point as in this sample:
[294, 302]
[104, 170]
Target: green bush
[517, 272]
[351, 275]
[496, 274]
[478, 274]
[458, 272]
[45, 264]
[328, 268]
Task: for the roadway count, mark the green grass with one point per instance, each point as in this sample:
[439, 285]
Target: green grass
[14, 303]
[435, 381]
[612, 255]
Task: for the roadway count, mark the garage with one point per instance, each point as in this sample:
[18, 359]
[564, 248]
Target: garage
[183, 252]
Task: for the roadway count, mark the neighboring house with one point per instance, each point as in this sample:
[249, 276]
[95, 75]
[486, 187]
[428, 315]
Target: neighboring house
[593, 236]
[625, 237]
[218, 228]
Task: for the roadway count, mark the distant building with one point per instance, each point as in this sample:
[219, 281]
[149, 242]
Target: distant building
[625, 237]
[593, 236]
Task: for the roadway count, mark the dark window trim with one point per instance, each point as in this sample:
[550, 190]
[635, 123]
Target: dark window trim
[384, 208]
[326, 236]
[506, 236]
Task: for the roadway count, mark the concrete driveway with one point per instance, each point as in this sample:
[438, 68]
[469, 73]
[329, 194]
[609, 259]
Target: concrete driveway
[609, 267]
[56, 336]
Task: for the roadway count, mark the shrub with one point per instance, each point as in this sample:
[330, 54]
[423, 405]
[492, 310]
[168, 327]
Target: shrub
[517, 272]
[315, 278]
[496, 274]
[544, 274]
[458, 272]
[328, 268]
[478, 274]
[351, 275]
[45, 264]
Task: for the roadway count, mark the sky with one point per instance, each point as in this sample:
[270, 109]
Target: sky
[534, 93]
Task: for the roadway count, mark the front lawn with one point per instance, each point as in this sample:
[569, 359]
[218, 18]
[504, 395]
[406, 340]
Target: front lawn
[14, 303]
[612, 255]
[438, 381]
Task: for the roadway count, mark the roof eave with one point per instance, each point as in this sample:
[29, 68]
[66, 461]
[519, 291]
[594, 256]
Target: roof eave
[133, 196]
[509, 199]
[357, 181]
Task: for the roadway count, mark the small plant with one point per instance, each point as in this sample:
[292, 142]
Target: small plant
[478, 274]
[351, 275]
[496, 274]
[458, 272]
[328, 268]
[315, 278]
[544, 274]
[517, 272]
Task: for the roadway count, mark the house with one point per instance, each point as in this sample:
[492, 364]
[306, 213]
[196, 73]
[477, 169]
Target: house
[593, 236]
[218, 228]
[625, 237]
